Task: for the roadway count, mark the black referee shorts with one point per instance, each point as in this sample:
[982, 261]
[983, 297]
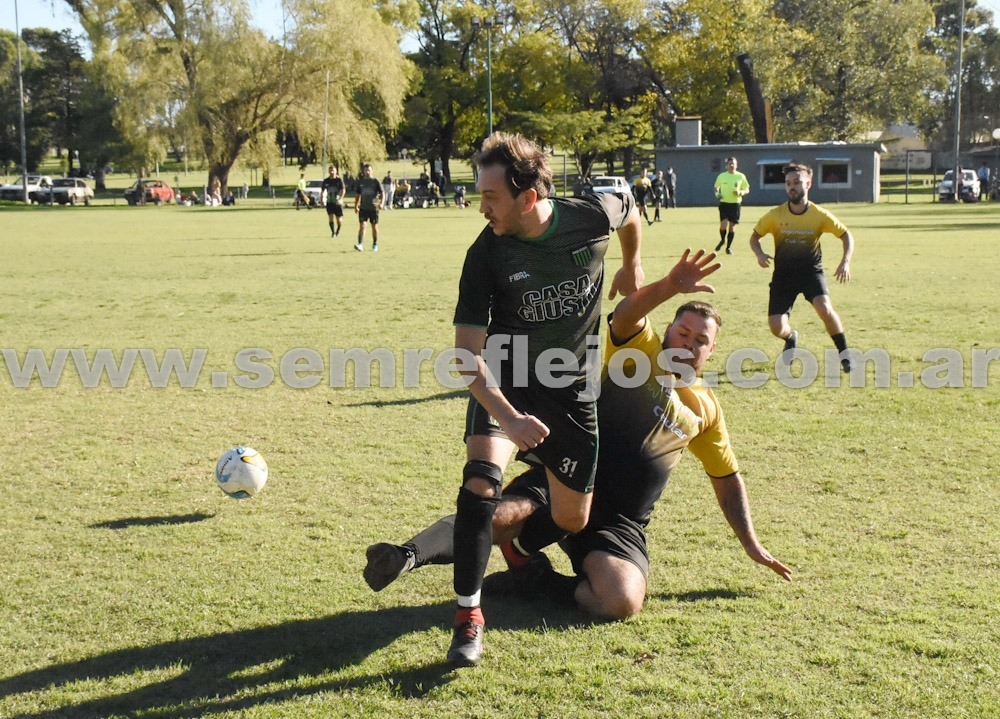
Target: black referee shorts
[729, 212]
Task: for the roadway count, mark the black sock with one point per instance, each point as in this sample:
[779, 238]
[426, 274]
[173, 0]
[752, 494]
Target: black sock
[474, 534]
[722, 236]
[840, 341]
[436, 544]
[333, 229]
[729, 239]
[539, 531]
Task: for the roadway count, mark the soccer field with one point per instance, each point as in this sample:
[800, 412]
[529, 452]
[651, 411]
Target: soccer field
[130, 586]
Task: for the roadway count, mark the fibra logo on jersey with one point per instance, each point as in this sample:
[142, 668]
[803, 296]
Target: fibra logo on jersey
[551, 302]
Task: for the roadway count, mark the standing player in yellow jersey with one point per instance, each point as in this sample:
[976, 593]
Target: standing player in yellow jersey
[730, 187]
[797, 227]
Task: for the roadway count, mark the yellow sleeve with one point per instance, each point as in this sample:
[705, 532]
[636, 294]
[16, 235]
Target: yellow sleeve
[711, 446]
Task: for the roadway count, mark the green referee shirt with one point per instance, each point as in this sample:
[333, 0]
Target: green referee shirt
[729, 184]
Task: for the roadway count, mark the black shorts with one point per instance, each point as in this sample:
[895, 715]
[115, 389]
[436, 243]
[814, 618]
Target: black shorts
[616, 535]
[810, 283]
[335, 210]
[570, 450]
[368, 216]
[729, 212]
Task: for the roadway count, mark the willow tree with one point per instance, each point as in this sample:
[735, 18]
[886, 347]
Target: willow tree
[198, 72]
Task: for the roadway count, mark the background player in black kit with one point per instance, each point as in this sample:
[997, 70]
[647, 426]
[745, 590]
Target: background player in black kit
[335, 189]
[531, 282]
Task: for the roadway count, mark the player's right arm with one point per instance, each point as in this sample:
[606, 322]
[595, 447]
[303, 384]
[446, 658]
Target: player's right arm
[524, 430]
[763, 259]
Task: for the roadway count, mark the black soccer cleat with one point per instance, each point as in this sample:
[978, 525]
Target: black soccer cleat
[792, 341]
[466, 648]
[386, 564]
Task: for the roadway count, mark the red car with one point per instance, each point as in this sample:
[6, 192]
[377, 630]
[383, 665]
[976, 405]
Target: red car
[155, 191]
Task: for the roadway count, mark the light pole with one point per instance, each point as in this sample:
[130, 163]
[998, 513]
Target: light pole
[955, 164]
[488, 23]
[282, 155]
[994, 176]
[20, 94]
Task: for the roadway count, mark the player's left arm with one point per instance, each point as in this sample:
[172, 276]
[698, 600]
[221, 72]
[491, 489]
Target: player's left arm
[731, 493]
[843, 273]
[630, 277]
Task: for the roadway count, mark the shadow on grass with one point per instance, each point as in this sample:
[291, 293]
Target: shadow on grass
[250, 668]
[153, 521]
[455, 394]
[700, 596]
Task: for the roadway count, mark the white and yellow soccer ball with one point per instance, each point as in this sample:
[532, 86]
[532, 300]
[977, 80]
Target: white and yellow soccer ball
[241, 472]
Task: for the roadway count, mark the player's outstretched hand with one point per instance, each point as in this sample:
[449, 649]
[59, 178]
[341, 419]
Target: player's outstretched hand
[526, 431]
[762, 556]
[686, 276]
[843, 273]
[764, 260]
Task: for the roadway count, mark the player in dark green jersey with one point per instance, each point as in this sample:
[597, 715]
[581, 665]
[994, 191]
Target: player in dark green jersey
[528, 311]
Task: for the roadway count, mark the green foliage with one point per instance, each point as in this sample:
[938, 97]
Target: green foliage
[865, 67]
[132, 587]
[199, 78]
[37, 135]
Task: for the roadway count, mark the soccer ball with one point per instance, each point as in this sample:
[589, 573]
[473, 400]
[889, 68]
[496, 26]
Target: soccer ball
[241, 472]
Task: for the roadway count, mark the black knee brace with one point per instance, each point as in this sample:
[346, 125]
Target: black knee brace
[487, 470]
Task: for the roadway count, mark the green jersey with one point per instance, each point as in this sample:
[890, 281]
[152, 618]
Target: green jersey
[730, 187]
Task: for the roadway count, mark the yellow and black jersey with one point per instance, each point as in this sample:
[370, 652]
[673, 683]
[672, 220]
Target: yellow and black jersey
[645, 427]
[797, 237]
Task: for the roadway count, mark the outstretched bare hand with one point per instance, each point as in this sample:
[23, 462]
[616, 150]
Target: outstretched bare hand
[686, 276]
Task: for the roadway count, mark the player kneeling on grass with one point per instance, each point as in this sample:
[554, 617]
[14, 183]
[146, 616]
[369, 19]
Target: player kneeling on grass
[644, 431]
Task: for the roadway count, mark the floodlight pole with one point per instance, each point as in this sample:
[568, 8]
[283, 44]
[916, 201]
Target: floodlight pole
[20, 95]
[955, 180]
[488, 23]
[995, 175]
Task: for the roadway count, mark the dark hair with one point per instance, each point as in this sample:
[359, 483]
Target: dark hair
[525, 165]
[795, 167]
[699, 308]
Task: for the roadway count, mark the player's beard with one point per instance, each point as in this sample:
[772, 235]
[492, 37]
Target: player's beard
[796, 196]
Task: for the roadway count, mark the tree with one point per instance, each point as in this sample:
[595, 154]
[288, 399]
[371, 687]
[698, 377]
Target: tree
[56, 84]
[197, 73]
[607, 74]
[980, 75]
[442, 111]
[36, 135]
[866, 66]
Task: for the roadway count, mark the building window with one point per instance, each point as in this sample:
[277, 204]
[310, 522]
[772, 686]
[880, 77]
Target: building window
[772, 172]
[834, 172]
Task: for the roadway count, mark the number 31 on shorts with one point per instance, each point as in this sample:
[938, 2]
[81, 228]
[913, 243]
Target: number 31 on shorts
[568, 466]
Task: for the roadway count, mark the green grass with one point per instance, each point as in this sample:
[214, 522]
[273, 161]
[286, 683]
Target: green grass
[131, 587]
